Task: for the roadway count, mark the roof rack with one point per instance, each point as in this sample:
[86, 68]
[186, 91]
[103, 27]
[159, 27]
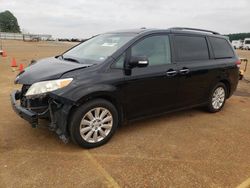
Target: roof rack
[194, 29]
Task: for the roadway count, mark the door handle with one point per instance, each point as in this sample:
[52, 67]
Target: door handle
[171, 72]
[184, 70]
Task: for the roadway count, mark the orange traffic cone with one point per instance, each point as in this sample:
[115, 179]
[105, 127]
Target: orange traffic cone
[4, 54]
[13, 63]
[21, 67]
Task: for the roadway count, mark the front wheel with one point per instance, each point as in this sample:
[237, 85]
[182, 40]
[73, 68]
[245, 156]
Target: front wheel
[93, 123]
[217, 98]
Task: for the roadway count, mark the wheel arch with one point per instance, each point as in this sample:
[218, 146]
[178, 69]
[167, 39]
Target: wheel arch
[223, 80]
[108, 96]
[228, 86]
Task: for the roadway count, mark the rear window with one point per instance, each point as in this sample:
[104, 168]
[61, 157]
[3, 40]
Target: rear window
[190, 48]
[221, 47]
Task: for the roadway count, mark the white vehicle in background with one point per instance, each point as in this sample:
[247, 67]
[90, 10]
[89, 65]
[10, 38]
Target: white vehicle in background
[246, 44]
[237, 44]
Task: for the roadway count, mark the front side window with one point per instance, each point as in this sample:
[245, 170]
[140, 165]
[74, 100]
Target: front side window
[155, 48]
[119, 63]
[191, 48]
[97, 49]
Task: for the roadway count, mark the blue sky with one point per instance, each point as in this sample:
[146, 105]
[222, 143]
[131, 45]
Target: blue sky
[84, 18]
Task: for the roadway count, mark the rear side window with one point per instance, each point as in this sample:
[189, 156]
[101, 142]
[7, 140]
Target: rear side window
[191, 48]
[221, 47]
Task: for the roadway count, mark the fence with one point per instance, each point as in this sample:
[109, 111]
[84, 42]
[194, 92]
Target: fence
[26, 37]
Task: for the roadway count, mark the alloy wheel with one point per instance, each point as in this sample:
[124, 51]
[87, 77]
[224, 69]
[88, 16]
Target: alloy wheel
[96, 124]
[218, 98]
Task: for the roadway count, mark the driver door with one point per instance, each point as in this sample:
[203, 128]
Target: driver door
[153, 89]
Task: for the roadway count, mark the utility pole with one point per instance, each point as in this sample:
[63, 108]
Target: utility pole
[1, 43]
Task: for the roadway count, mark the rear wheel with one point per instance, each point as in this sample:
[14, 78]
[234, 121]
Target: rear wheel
[93, 123]
[217, 98]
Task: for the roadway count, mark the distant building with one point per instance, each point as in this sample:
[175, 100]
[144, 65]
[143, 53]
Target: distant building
[25, 36]
[36, 37]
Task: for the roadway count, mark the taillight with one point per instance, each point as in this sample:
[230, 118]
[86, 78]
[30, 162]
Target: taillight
[238, 62]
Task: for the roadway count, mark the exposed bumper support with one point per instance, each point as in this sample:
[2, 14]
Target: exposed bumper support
[58, 115]
[24, 113]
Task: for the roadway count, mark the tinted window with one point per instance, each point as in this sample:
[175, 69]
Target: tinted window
[191, 48]
[155, 48]
[119, 62]
[221, 48]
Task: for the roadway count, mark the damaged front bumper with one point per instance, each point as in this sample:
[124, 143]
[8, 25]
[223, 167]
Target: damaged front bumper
[58, 115]
[24, 113]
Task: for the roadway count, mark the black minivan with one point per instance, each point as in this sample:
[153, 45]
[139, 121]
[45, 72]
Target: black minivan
[112, 78]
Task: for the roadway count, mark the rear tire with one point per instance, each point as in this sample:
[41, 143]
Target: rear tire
[217, 98]
[93, 123]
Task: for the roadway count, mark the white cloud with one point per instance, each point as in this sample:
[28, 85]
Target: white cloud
[80, 18]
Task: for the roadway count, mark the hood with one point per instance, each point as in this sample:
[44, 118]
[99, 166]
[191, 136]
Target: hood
[47, 69]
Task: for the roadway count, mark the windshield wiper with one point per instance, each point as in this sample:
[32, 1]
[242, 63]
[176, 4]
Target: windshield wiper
[70, 59]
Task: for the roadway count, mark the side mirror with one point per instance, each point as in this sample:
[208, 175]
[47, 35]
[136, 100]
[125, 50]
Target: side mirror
[141, 61]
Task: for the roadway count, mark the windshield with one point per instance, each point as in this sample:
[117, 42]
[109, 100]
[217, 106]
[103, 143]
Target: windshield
[97, 49]
[247, 41]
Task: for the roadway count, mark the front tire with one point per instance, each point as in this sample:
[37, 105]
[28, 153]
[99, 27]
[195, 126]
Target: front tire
[93, 123]
[217, 98]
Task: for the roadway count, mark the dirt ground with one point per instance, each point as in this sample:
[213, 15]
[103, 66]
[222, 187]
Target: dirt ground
[191, 148]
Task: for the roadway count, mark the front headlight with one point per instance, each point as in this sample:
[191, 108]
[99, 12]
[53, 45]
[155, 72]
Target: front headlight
[47, 86]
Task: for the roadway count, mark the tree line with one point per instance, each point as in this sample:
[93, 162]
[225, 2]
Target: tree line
[238, 36]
